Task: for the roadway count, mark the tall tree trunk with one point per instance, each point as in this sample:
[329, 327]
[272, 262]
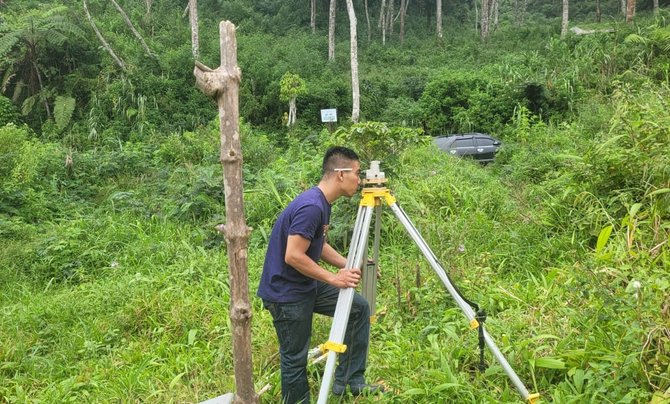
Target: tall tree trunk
[331, 31]
[355, 92]
[655, 7]
[312, 22]
[477, 22]
[382, 20]
[193, 18]
[630, 11]
[495, 14]
[39, 82]
[623, 8]
[438, 19]
[224, 84]
[389, 16]
[598, 12]
[565, 21]
[486, 6]
[104, 43]
[402, 21]
[132, 28]
[292, 113]
[367, 18]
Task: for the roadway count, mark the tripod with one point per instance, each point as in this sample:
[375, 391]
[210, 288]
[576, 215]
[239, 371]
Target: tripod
[373, 192]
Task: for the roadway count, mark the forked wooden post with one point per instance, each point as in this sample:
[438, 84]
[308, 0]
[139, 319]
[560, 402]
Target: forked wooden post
[223, 84]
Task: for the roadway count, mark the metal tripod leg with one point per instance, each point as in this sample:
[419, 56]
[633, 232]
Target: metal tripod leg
[345, 298]
[467, 310]
[371, 268]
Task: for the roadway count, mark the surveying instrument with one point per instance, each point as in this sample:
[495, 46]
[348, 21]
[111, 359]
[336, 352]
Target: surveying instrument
[373, 192]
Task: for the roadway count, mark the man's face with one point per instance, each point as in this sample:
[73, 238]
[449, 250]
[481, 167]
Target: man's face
[352, 179]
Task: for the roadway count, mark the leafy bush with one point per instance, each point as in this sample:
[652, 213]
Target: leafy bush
[465, 102]
[8, 112]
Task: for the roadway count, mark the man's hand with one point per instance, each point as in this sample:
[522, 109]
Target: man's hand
[347, 278]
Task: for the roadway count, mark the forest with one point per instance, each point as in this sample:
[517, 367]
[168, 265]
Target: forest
[114, 281]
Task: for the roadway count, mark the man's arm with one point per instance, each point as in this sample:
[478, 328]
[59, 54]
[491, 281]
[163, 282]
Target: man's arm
[332, 257]
[296, 257]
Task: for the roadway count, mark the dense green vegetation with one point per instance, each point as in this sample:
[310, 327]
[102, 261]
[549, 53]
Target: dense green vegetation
[114, 283]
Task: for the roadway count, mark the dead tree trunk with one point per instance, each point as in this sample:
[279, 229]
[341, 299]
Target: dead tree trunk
[135, 32]
[195, 33]
[105, 45]
[353, 37]
[224, 84]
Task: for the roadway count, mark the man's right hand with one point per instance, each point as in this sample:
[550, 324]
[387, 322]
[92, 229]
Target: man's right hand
[347, 278]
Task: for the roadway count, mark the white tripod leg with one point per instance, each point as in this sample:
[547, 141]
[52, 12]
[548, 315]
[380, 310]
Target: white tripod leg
[345, 298]
[467, 310]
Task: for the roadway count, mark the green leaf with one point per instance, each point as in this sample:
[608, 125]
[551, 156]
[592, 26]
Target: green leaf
[191, 336]
[176, 380]
[63, 110]
[549, 363]
[603, 238]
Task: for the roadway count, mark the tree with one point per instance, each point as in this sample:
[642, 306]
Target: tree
[382, 20]
[355, 92]
[655, 7]
[134, 30]
[403, 9]
[367, 18]
[486, 13]
[630, 10]
[564, 24]
[438, 18]
[102, 39]
[312, 16]
[290, 87]
[193, 18]
[26, 43]
[331, 31]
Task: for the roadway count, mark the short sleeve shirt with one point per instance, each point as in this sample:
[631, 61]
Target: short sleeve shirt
[308, 215]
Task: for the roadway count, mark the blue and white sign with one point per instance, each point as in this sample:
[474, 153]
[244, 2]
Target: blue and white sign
[329, 115]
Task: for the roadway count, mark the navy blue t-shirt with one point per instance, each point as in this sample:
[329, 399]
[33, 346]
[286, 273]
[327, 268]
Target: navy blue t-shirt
[307, 215]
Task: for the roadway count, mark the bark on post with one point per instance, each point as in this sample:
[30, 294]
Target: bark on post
[223, 84]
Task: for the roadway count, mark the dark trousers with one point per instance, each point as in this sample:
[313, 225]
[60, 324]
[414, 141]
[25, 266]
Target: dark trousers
[293, 323]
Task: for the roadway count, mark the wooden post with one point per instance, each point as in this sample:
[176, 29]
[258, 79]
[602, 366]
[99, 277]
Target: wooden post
[224, 84]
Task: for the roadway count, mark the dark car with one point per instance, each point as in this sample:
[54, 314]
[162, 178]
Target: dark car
[478, 146]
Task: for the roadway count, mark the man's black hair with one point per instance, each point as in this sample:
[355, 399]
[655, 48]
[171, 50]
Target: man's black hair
[337, 157]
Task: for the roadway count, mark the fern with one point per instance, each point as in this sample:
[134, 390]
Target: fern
[63, 110]
[7, 42]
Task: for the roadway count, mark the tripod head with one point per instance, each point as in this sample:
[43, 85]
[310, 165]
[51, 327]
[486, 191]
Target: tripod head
[373, 177]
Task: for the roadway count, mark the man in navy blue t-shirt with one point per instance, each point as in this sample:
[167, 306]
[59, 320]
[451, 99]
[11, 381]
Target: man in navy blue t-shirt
[294, 286]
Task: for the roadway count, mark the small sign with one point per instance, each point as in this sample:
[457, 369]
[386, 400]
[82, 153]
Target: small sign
[329, 115]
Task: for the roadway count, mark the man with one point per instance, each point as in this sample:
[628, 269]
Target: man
[294, 286]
